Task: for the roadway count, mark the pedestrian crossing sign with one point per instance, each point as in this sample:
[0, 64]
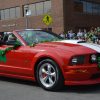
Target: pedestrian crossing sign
[47, 20]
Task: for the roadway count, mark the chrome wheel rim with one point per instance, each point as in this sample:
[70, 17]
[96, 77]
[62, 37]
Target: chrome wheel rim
[47, 75]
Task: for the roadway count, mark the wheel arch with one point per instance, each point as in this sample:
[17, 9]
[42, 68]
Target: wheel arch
[56, 60]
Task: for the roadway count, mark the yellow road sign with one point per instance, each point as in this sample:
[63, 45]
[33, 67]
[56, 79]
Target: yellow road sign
[47, 19]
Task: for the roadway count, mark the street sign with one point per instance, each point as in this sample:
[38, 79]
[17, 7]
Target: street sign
[47, 20]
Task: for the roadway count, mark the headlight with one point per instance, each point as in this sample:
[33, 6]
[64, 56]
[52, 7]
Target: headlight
[77, 60]
[93, 58]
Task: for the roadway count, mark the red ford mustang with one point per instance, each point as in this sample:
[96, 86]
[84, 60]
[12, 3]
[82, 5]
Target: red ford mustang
[48, 59]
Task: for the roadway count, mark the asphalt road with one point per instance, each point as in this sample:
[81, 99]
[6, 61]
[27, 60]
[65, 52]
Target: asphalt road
[13, 89]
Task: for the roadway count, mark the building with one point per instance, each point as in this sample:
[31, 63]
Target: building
[66, 14]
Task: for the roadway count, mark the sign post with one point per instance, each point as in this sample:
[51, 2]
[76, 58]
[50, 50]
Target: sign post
[28, 13]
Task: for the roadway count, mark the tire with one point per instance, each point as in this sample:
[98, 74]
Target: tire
[49, 75]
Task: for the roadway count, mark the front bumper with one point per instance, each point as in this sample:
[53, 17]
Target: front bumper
[82, 75]
[85, 82]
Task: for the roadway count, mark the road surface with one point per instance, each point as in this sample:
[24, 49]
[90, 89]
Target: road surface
[13, 89]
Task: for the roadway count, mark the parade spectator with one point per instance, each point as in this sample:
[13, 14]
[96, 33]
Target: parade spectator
[98, 35]
[90, 35]
[84, 34]
[98, 29]
[67, 35]
[95, 37]
[80, 34]
[70, 35]
[62, 34]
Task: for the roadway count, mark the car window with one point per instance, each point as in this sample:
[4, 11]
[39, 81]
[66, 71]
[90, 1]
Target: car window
[28, 36]
[31, 36]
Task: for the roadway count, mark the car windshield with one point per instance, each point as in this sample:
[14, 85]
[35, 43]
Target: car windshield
[34, 36]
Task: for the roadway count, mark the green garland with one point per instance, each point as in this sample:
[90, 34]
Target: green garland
[3, 52]
[99, 62]
[2, 56]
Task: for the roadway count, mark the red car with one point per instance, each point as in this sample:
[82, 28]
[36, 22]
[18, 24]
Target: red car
[48, 59]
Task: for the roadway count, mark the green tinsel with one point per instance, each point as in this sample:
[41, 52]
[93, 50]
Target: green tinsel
[3, 52]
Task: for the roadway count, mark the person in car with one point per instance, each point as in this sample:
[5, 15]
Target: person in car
[11, 39]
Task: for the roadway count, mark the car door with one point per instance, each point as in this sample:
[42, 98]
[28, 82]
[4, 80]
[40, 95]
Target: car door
[16, 61]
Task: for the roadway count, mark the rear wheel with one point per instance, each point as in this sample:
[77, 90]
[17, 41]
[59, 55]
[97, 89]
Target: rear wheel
[49, 75]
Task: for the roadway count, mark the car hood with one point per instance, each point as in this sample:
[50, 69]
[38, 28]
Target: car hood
[75, 46]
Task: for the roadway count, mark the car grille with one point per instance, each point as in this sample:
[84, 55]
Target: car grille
[98, 57]
[95, 76]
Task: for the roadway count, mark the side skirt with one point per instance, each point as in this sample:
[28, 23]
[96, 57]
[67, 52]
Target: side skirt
[18, 76]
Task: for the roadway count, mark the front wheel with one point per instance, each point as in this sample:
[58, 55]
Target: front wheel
[49, 75]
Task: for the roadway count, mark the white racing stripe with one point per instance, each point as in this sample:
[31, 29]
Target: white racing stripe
[95, 47]
[91, 46]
